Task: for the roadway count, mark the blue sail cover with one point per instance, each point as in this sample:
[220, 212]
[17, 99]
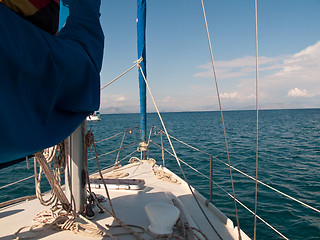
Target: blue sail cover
[49, 84]
[141, 28]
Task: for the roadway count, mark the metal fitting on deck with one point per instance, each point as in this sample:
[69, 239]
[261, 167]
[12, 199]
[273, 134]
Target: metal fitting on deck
[143, 147]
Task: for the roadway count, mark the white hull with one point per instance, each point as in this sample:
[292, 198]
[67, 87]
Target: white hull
[129, 206]
[93, 118]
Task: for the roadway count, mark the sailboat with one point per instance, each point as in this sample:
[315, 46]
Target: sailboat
[94, 117]
[140, 200]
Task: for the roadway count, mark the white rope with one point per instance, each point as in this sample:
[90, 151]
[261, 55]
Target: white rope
[110, 137]
[257, 125]
[230, 195]
[265, 222]
[127, 130]
[136, 63]
[112, 165]
[247, 175]
[190, 146]
[194, 169]
[162, 123]
[107, 153]
[175, 154]
[220, 107]
[10, 184]
[124, 136]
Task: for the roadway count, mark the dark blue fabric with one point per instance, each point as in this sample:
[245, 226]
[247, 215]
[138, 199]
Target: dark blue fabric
[141, 41]
[49, 84]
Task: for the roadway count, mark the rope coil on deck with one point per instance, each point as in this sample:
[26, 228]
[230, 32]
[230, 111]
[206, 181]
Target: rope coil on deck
[164, 176]
[59, 220]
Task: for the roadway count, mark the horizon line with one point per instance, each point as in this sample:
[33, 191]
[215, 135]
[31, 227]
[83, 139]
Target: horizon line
[234, 110]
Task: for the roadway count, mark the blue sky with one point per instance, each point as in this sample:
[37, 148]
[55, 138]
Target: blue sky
[178, 59]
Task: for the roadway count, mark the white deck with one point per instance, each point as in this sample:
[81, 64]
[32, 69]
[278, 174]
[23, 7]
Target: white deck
[129, 207]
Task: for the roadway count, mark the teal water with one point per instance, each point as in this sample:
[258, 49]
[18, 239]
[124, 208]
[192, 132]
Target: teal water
[289, 160]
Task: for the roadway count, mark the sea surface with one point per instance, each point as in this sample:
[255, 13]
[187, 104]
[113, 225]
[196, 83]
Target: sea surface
[289, 160]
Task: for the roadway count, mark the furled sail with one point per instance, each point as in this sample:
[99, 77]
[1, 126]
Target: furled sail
[141, 28]
[49, 84]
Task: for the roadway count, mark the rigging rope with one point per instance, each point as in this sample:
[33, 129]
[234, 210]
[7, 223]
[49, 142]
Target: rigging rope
[112, 165]
[90, 142]
[247, 175]
[230, 195]
[105, 139]
[108, 138]
[53, 181]
[123, 137]
[62, 219]
[104, 154]
[21, 180]
[175, 154]
[257, 129]
[220, 107]
[136, 64]
[16, 200]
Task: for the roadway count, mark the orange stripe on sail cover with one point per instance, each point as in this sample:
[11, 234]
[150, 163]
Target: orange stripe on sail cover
[22, 7]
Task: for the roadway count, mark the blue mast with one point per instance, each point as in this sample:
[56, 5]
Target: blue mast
[141, 27]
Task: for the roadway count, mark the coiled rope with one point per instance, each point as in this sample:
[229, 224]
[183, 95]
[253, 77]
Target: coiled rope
[61, 220]
[57, 218]
[53, 181]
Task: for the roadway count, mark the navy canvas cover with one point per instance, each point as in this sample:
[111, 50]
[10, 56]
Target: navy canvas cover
[49, 84]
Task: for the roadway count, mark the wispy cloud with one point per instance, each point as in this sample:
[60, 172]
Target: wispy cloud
[290, 81]
[236, 96]
[113, 99]
[283, 79]
[239, 67]
[118, 103]
[296, 92]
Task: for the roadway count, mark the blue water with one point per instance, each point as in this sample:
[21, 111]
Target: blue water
[289, 160]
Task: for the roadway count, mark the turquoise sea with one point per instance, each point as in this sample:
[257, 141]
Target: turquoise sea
[289, 160]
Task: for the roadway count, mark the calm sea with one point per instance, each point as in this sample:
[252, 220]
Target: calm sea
[289, 160]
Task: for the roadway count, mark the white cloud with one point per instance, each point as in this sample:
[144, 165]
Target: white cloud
[118, 103]
[284, 82]
[119, 98]
[305, 64]
[296, 92]
[299, 73]
[168, 99]
[236, 96]
[239, 67]
[116, 100]
[229, 95]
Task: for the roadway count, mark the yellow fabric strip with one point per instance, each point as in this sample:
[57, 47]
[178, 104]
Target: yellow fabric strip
[22, 7]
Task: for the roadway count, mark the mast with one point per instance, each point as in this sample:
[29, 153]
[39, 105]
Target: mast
[141, 27]
[75, 174]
